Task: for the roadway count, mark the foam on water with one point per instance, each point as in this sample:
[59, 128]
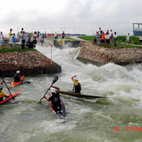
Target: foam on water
[87, 119]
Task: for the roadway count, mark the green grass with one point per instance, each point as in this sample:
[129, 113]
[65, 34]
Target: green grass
[7, 48]
[120, 42]
[90, 38]
[120, 45]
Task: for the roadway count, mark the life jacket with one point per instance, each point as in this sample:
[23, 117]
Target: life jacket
[16, 78]
[55, 99]
[78, 88]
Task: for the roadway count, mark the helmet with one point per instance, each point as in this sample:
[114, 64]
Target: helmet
[75, 78]
[17, 71]
[52, 90]
[1, 87]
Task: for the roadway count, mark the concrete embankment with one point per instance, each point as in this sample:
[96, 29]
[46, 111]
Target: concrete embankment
[91, 53]
[29, 63]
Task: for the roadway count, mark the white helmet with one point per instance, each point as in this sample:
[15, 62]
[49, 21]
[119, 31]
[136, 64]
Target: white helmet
[1, 87]
[75, 78]
[17, 71]
[52, 90]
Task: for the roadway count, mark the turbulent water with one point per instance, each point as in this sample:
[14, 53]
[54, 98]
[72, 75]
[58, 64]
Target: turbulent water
[117, 118]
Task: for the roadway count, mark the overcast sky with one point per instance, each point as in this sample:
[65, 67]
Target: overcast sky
[72, 16]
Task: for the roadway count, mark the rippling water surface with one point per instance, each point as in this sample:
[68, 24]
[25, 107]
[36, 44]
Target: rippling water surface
[117, 118]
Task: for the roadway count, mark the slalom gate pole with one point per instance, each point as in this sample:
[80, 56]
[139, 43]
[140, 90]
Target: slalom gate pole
[69, 52]
[51, 54]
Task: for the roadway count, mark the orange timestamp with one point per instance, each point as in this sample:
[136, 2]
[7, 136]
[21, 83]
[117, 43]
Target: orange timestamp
[131, 129]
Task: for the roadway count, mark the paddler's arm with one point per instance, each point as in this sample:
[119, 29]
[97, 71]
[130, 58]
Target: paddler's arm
[58, 90]
[45, 98]
[73, 77]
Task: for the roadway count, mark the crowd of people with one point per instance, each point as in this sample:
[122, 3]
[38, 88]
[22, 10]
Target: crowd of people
[109, 37]
[103, 38]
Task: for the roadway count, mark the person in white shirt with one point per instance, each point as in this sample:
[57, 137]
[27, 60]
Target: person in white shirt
[128, 39]
[115, 39]
[1, 39]
[108, 39]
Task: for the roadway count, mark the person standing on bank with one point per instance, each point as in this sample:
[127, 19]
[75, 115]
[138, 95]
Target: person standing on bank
[77, 86]
[1, 40]
[128, 39]
[23, 39]
[13, 40]
[140, 39]
[10, 38]
[63, 35]
[115, 39]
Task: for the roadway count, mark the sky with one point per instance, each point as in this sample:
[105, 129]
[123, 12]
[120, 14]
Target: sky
[70, 16]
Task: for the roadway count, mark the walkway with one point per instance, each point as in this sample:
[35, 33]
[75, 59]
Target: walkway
[75, 37]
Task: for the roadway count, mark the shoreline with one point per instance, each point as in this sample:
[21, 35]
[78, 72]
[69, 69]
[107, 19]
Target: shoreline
[97, 55]
[29, 63]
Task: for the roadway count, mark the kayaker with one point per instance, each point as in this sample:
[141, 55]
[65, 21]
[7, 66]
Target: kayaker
[55, 99]
[17, 77]
[2, 94]
[77, 85]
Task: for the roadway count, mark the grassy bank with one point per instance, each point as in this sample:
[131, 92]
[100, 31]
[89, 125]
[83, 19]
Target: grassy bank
[7, 48]
[134, 42]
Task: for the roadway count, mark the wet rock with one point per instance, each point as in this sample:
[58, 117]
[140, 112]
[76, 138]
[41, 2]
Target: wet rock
[106, 55]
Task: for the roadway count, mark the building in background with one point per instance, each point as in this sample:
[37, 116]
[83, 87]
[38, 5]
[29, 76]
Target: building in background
[137, 29]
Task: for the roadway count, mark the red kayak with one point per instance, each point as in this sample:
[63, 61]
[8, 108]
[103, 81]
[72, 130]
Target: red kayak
[62, 112]
[13, 83]
[10, 97]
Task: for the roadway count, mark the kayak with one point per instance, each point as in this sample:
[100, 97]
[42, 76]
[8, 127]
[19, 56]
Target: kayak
[80, 95]
[13, 83]
[62, 113]
[10, 97]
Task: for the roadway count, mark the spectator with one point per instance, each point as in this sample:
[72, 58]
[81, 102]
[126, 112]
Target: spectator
[63, 35]
[100, 31]
[1, 40]
[56, 35]
[10, 38]
[29, 43]
[111, 36]
[23, 39]
[94, 39]
[22, 29]
[42, 38]
[115, 39]
[20, 37]
[108, 39]
[97, 38]
[140, 39]
[102, 38]
[128, 39]
[34, 39]
[13, 40]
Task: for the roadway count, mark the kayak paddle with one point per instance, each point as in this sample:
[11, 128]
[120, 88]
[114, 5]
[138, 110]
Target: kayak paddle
[6, 84]
[54, 80]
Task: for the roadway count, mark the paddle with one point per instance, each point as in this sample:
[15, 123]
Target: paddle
[26, 81]
[6, 84]
[54, 80]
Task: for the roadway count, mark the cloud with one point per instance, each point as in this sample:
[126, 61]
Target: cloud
[80, 16]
